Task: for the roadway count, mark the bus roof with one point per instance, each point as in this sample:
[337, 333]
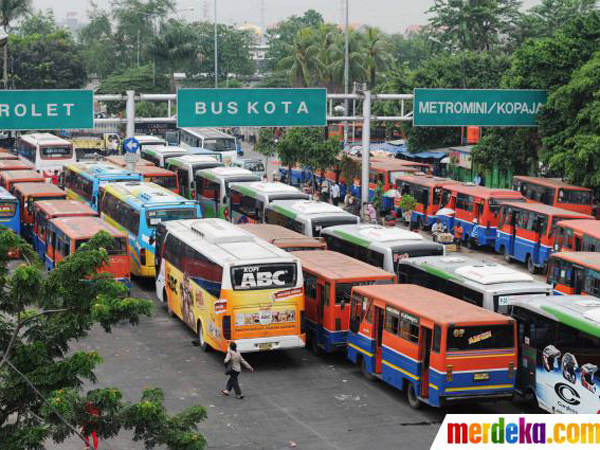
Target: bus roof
[591, 227]
[119, 160]
[307, 208]
[147, 139]
[366, 234]
[283, 237]
[27, 189]
[140, 194]
[428, 181]
[587, 259]
[549, 182]
[85, 227]
[226, 243]
[428, 304]
[226, 172]
[393, 165]
[547, 209]
[5, 195]
[485, 192]
[154, 171]
[194, 159]
[208, 133]
[581, 312]
[252, 188]
[337, 267]
[62, 208]
[11, 175]
[44, 139]
[477, 273]
[15, 164]
[102, 170]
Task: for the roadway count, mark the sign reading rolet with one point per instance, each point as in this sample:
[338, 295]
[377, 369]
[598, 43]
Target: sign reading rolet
[43, 110]
[251, 107]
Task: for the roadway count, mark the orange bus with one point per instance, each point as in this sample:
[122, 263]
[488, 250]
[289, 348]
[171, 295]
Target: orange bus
[285, 239]
[14, 164]
[578, 235]
[574, 273]
[45, 210]
[554, 192]
[28, 194]
[67, 234]
[160, 176]
[440, 349]
[328, 281]
[8, 178]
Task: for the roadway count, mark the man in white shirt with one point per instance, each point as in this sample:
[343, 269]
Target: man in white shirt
[335, 193]
[437, 229]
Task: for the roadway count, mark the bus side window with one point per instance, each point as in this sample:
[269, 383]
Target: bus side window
[310, 286]
[356, 312]
[436, 345]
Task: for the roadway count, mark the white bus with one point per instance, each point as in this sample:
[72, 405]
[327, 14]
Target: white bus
[210, 139]
[151, 141]
[488, 285]
[228, 285]
[248, 200]
[47, 152]
[559, 348]
[307, 216]
[186, 167]
[379, 246]
[158, 155]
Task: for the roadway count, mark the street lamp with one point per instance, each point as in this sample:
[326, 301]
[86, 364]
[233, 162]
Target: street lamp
[4, 43]
[346, 69]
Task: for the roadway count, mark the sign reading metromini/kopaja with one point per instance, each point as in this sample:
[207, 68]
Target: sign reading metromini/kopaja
[477, 107]
[251, 107]
[46, 110]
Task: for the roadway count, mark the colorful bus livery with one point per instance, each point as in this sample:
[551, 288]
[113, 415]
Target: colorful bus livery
[9, 178]
[67, 234]
[227, 285]
[185, 167]
[575, 273]
[138, 208]
[578, 235]
[83, 180]
[328, 281]
[9, 211]
[28, 194]
[559, 340]
[553, 192]
[48, 153]
[526, 232]
[439, 349]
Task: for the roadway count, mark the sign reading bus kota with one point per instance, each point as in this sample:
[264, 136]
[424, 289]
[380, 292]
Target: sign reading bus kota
[46, 110]
[477, 107]
[251, 107]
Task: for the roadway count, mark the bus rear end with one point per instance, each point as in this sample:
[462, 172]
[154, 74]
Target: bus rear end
[477, 362]
[118, 264]
[264, 306]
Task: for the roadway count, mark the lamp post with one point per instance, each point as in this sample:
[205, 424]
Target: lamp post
[216, 50]
[346, 69]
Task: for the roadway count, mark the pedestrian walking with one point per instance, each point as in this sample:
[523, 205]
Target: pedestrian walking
[335, 193]
[233, 363]
[458, 233]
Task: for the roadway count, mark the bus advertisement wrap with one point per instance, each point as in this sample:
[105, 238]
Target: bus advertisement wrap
[471, 431]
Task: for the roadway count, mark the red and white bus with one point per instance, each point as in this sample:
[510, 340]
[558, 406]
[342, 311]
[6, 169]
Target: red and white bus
[554, 192]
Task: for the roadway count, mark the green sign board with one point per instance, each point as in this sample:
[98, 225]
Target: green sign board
[477, 107]
[46, 110]
[251, 108]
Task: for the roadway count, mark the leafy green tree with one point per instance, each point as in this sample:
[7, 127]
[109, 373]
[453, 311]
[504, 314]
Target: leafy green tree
[265, 144]
[11, 10]
[377, 57]
[473, 24]
[41, 379]
[290, 147]
[410, 51]
[327, 47]
[39, 22]
[99, 45]
[300, 63]
[51, 61]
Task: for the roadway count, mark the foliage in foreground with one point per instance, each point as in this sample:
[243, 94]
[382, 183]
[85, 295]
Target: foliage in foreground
[42, 394]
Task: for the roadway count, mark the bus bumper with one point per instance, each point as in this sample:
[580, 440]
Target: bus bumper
[476, 398]
[269, 343]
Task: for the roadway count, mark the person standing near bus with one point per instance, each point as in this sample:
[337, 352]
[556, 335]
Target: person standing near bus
[234, 362]
[335, 193]
[458, 233]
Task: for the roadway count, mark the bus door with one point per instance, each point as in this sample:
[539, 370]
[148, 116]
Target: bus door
[527, 361]
[320, 303]
[425, 334]
[378, 331]
[578, 279]
[512, 230]
[539, 228]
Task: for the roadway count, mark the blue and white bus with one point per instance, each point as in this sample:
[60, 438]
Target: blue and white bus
[138, 208]
[83, 180]
[9, 211]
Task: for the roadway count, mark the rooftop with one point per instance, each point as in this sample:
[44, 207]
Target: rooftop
[587, 259]
[39, 189]
[56, 208]
[548, 210]
[85, 227]
[590, 227]
[549, 182]
[337, 267]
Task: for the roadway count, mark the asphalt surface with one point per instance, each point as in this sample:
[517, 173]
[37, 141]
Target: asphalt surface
[315, 402]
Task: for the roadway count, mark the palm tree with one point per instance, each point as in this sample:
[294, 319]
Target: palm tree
[9, 11]
[327, 51]
[356, 59]
[377, 53]
[175, 46]
[300, 61]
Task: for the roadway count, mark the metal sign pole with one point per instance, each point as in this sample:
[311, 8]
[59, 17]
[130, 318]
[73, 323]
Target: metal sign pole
[130, 107]
[366, 140]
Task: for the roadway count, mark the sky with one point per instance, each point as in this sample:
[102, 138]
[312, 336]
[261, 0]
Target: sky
[390, 15]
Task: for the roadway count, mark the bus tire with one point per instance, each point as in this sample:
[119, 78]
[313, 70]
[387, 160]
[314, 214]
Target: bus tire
[507, 256]
[314, 344]
[421, 224]
[531, 265]
[411, 396]
[365, 370]
[201, 342]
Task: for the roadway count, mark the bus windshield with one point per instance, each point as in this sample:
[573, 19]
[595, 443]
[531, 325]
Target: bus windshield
[220, 144]
[118, 247]
[264, 276]
[156, 216]
[8, 209]
[56, 152]
[319, 225]
[481, 337]
[255, 166]
[574, 197]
